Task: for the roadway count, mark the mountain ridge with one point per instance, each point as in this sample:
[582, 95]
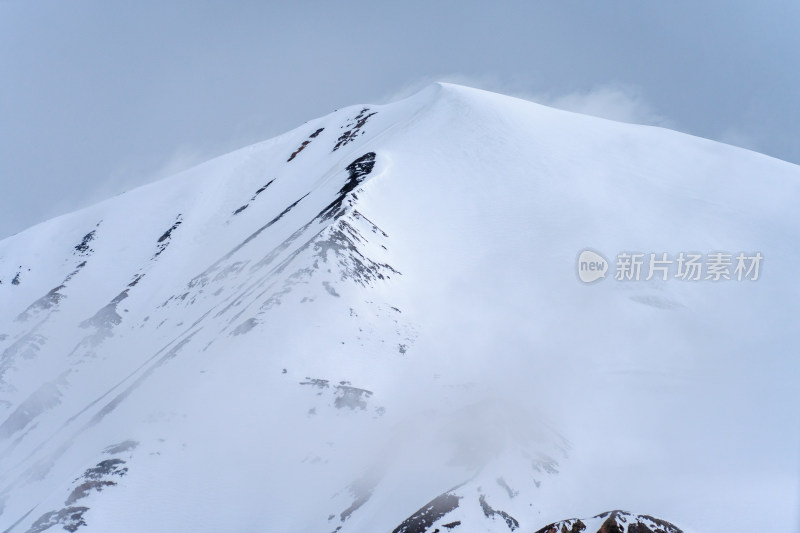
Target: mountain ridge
[377, 300]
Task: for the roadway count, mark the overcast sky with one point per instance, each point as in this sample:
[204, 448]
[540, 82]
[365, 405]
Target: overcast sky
[100, 96]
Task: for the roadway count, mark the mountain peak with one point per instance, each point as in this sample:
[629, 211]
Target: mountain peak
[371, 310]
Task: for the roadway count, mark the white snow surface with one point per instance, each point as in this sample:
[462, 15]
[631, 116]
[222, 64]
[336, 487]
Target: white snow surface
[307, 365]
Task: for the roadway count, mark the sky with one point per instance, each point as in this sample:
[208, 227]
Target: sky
[98, 97]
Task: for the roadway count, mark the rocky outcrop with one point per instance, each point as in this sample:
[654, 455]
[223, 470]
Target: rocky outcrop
[612, 522]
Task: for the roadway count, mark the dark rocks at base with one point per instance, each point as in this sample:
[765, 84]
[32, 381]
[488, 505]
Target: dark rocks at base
[615, 522]
[425, 517]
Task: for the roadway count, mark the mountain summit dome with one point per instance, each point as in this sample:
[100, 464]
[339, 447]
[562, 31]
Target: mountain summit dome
[373, 323]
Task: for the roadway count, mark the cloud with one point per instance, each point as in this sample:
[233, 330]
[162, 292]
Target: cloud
[737, 137]
[614, 101]
[411, 87]
[624, 103]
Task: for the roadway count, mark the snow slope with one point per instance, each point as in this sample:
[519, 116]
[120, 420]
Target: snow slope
[374, 323]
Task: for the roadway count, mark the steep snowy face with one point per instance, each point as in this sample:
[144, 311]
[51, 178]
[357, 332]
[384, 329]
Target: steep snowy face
[374, 323]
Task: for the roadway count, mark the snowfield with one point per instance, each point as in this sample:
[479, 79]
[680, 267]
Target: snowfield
[374, 323]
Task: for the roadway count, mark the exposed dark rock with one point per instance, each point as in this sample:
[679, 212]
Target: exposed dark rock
[167, 234]
[667, 526]
[51, 299]
[163, 241]
[358, 170]
[84, 489]
[611, 526]
[83, 247]
[70, 518]
[103, 321]
[575, 526]
[354, 128]
[425, 517]
[106, 468]
[47, 301]
[305, 143]
[94, 479]
[343, 239]
[614, 522]
[261, 189]
[107, 317]
[510, 521]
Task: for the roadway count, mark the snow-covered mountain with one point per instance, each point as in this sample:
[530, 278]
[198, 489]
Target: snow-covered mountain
[374, 323]
[612, 522]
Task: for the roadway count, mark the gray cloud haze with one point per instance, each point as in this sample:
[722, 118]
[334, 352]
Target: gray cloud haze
[98, 97]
